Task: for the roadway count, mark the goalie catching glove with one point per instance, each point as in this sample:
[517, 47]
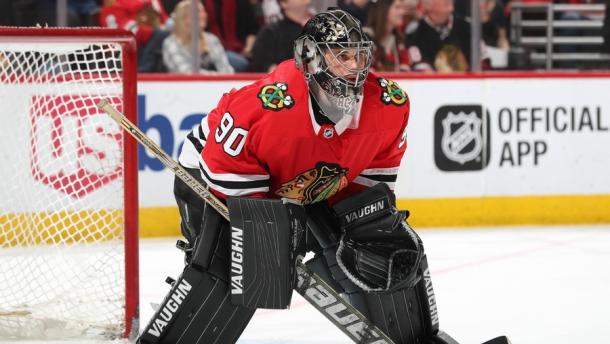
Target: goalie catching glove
[378, 251]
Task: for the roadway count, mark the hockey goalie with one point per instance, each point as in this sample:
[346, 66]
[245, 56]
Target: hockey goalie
[305, 159]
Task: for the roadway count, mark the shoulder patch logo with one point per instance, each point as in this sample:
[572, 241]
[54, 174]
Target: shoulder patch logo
[274, 97]
[391, 92]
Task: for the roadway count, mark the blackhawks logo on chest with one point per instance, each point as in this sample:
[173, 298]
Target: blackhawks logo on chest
[314, 185]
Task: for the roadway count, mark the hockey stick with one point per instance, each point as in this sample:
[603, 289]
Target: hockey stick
[313, 289]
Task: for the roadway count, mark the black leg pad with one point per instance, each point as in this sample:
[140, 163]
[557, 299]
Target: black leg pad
[408, 315]
[197, 310]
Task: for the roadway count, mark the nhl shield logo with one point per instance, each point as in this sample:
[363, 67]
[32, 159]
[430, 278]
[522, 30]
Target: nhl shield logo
[461, 138]
[461, 141]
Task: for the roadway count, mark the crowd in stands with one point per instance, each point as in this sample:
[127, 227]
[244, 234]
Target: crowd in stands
[255, 35]
[606, 28]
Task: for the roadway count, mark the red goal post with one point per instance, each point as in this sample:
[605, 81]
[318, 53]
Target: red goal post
[68, 185]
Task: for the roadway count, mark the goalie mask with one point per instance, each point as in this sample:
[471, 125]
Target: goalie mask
[335, 56]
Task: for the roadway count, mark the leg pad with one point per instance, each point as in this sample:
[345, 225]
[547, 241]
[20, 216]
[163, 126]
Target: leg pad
[197, 310]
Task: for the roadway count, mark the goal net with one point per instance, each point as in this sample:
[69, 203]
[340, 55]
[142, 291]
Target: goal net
[68, 185]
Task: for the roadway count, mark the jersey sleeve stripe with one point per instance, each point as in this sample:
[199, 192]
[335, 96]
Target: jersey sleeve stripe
[191, 150]
[189, 155]
[197, 143]
[371, 182]
[387, 178]
[231, 177]
[203, 130]
[235, 188]
[237, 192]
[389, 170]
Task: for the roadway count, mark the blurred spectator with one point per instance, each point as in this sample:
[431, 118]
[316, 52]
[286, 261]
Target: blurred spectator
[78, 12]
[234, 22]
[441, 39]
[7, 13]
[25, 13]
[271, 11]
[274, 43]
[83, 12]
[412, 15]
[257, 8]
[142, 17]
[462, 8]
[606, 29]
[451, 59]
[150, 57]
[493, 30]
[385, 26]
[169, 5]
[145, 18]
[177, 54]
[357, 8]
[493, 20]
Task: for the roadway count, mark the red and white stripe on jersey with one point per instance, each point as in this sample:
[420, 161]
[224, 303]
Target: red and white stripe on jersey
[373, 176]
[231, 184]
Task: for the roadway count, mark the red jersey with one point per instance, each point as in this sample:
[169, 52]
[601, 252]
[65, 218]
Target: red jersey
[123, 14]
[263, 141]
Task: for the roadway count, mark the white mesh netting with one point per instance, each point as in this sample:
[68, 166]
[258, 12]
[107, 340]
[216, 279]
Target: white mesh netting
[61, 191]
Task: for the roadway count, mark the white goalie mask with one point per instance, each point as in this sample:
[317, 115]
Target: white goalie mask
[335, 56]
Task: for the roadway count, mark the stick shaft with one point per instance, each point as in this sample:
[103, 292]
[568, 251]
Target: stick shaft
[168, 161]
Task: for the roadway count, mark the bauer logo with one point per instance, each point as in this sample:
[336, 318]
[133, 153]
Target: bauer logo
[75, 148]
[461, 138]
[322, 298]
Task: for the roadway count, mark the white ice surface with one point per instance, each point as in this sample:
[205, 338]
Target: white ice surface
[537, 285]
